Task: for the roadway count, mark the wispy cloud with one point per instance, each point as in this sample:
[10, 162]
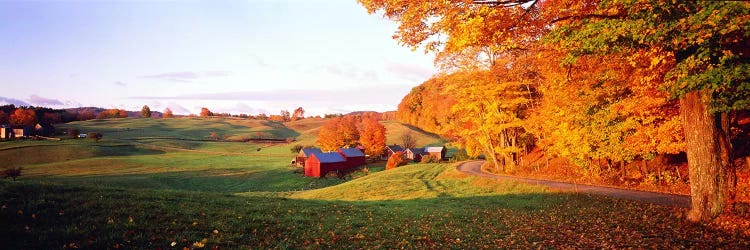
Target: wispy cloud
[41, 101]
[351, 72]
[119, 83]
[187, 76]
[177, 108]
[217, 73]
[382, 94]
[7, 101]
[408, 71]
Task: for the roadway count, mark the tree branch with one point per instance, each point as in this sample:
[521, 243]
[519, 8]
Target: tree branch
[587, 16]
[503, 3]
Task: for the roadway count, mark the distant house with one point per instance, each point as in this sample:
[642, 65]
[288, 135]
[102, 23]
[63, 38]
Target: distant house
[353, 157]
[319, 164]
[44, 129]
[22, 131]
[390, 150]
[438, 152]
[6, 132]
[414, 154]
[304, 154]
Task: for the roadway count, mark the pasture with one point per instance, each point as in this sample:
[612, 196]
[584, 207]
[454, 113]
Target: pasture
[164, 183]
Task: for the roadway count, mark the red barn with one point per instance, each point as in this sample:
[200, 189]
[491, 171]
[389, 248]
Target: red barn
[353, 156]
[304, 154]
[319, 164]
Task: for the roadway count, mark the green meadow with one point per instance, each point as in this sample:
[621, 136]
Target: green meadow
[164, 183]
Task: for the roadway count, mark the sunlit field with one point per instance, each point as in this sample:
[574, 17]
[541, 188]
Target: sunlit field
[164, 183]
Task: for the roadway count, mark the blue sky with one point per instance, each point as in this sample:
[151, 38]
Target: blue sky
[327, 56]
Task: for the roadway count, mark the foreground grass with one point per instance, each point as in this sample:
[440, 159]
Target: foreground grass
[38, 214]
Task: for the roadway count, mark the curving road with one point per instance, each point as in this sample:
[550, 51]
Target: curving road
[475, 168]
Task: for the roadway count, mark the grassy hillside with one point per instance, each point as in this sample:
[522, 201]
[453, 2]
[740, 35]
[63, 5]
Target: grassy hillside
[397, 129]
[167, 154]
[308, 132]
[183, 128]
[159, 183]
[417, 181]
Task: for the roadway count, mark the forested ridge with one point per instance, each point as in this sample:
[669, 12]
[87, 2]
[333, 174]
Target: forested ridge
[599, 83]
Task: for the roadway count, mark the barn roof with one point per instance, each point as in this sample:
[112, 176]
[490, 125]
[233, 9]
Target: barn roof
[308, 151]
[395, 148]
[434, 149]
[329, 157]
[352, 152]
[417, 151]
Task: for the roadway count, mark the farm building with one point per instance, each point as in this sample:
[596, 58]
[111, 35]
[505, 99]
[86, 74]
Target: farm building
[319, 164]
[6, 132]
[390, 150]
[438, 152]
[304, 154]
[44, 129]
[414, 154]
[353, 157]
[22, 131]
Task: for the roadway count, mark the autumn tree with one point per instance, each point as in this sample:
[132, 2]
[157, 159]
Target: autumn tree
[167, 113]
[205, 112]
[299, 113]
[396, 160]
[112, 113]
[22, 116]
[285, 116]
[372, 136]
[339, 132]
[145, 112]
[52, 118]
[85, 115]
[707, 41]
[4, 117]
[427, 106]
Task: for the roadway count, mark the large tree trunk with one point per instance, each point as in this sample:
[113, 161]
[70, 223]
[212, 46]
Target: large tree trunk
[708, 154]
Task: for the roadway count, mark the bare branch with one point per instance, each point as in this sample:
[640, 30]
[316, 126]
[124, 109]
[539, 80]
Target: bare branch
[503, 3]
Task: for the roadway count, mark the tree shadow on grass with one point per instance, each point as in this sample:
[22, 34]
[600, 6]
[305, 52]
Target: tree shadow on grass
[39, 215]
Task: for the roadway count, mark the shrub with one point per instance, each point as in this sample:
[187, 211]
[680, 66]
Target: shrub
[396, 160]
[94, 136]
[12, 172]
[461, 155]
[73, 133]
[296, 148]
[429, 159]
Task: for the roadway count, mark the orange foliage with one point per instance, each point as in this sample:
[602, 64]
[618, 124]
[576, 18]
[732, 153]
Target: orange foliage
[112, 113]
[372, 136]
[299, 113]
[23, 116]
[396, 160]
[205, 112]
[167, 113]
[338, 132]
[4, 118]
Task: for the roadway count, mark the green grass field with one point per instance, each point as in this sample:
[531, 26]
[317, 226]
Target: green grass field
[160, 183]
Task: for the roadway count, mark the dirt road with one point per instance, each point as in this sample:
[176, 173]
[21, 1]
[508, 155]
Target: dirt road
[474, 168]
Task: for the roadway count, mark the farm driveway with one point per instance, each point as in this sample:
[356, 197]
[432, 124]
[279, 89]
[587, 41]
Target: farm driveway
[475, 168]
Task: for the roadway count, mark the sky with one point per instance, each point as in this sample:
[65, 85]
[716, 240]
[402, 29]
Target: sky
[251, 57]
